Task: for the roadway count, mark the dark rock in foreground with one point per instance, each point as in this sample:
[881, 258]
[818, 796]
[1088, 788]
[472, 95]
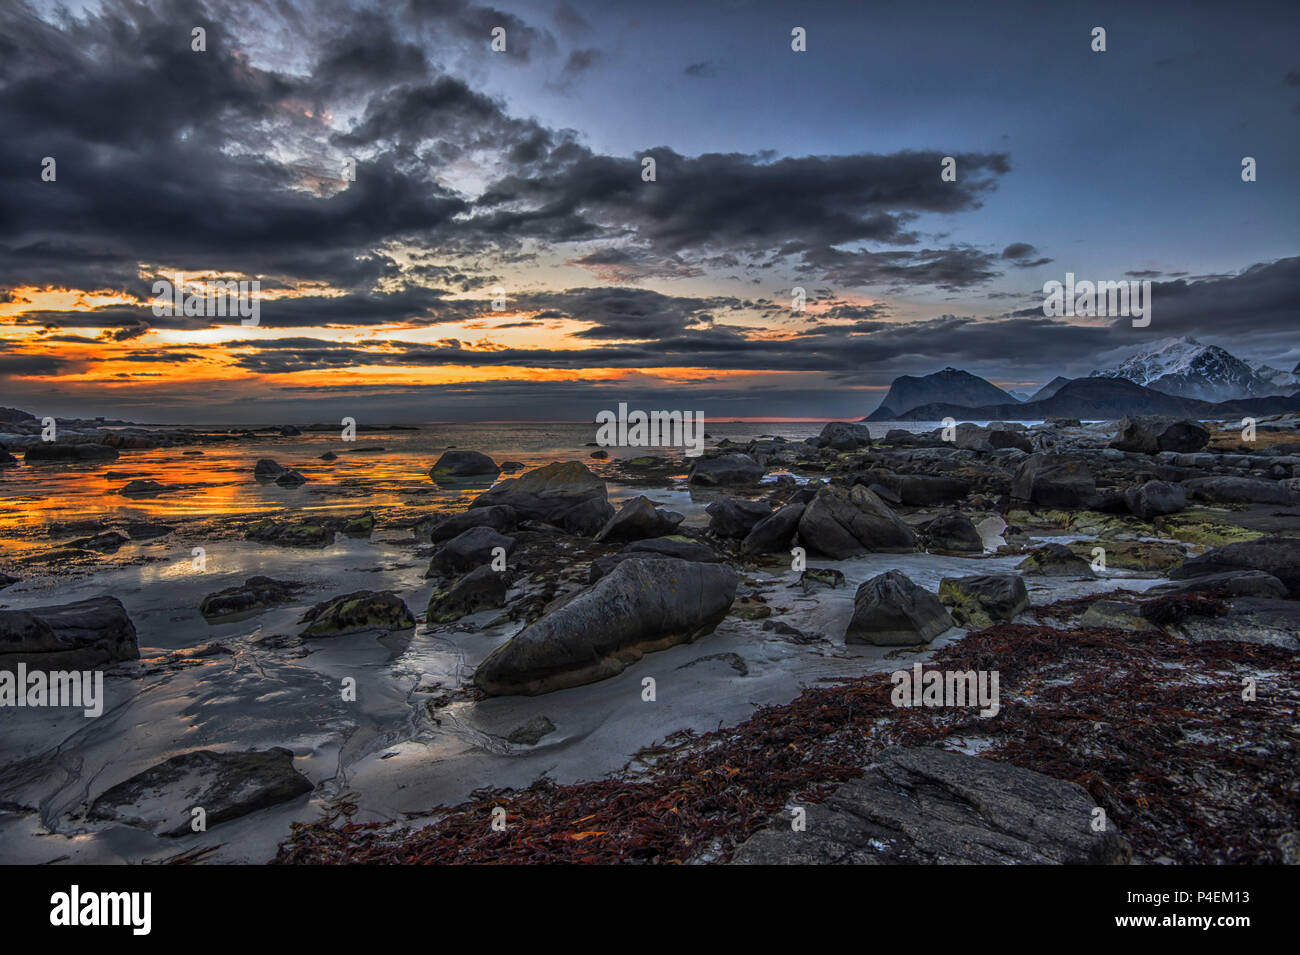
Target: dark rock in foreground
[890, 610]
[681, 548]
[359, 612]
[481, 589]
[267, 468]
[641, 606]
[565, 494]
[735, 517]
[75, 636]
[773, 534]
[927, 806]
[225, 785]
[463, 464]
[842, 524]
[464, 552]
[638, 519]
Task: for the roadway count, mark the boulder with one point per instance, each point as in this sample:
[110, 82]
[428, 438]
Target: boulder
[74, 636]
[918, 805]
[840, 524]
[639, 607]
[843, 436]
[1155, 498]
[1148, 434]
[141, 488]
[481, 589]
[734, 517]
[266, 468]
[890, 610]
[1054, 480]
[359, 612]
[1055, 560]
[255, 593]
[225, 785]
[952, 532]
[1278, 556]
[726, 469]
[463, 464]
[980, 600]
[638, 519]
[1115, 615]
[290, 478]
[1244, 583]
[565, 494]
[971, 437]
[773, 534]
[467, 550]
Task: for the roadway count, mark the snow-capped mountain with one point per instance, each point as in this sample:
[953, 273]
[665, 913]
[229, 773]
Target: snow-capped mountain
[1189, 369]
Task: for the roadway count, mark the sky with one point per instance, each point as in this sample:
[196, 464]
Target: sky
[499, 254]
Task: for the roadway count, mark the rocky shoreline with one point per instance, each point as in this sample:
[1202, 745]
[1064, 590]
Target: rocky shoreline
[1123, 700]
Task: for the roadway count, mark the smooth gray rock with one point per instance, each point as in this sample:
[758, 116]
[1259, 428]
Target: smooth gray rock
[1245, 583]
[500, 517]
[726, 469]
[773, 534]
[467, 550]
[565, 494]
[1155, 498]
[953, 532]
[638, 519]
[734, 517]
[840, 524]
[639, 607]
[463, 464]
[843, 436]
[1054, 480]
[676, 547]
[1278, 556]
[1238, 490]
[481, 589]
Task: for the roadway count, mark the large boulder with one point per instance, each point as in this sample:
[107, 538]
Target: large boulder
[481, 589]
[638, 519]
[1147, 434]
[736, 517]
[225, 785]
[74, 636]
[564, 493]
[1054, 480]
[473, 548]
[890, 610]
[1278, 556]
[1243, 583]
[972, 437]
[840, 524]
[268, 469]
[980, 600]
[726, 469]
[773, 534]
[360, 612]
[463, 465]
[952, 532]
[843, 436]
[1155, 498]
[639, 607]
[928, 806]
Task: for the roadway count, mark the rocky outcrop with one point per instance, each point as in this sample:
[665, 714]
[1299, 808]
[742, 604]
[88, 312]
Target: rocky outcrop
[565, 494]
[773, 534]
[922, 806]
[224, 785]
[840, 524]
[75, 636]
[360, 612]
[640, 606]
[890, 610]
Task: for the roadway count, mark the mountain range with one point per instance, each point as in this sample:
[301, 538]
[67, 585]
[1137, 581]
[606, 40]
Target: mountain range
[1189, 369]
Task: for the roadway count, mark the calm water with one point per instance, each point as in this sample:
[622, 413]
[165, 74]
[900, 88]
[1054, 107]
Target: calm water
[387, 470]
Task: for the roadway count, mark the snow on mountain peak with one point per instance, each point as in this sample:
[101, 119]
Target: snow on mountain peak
[1186, 367]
